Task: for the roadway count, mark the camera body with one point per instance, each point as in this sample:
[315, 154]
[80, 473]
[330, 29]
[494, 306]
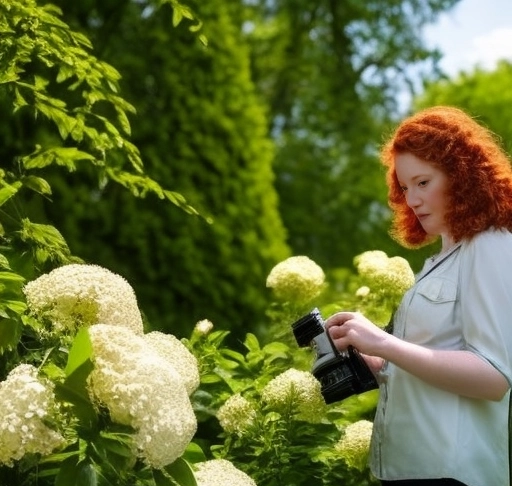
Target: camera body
[341, 374]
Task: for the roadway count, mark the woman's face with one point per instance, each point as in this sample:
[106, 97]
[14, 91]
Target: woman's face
[425, 190]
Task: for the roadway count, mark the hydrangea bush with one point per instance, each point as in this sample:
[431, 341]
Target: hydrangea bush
[274, 423]
[99, 401]
[105, 403]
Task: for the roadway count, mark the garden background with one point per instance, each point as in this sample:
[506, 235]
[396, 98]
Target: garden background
[190, 147]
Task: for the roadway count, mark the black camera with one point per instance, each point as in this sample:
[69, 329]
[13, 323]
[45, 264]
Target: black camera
[341, 374]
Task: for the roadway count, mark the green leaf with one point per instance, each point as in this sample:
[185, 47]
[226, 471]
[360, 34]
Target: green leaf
[123, 121]
[80, 352]
[47, 242]
[194, 453]
[65, 72]
[10, 333]
[52, 371]
[10, 75]
[37, 184]
[63, 156]
[74, 473]
[115, 452]
[9, 191]
[180, 201]
[4, 262]
[68, 472]
[86, 475]
[210, 378]
[240, 358]
[15, 305]
[11, 277]
[181, 472]
[74, 391]
[276, 348]
[19, 101]
[203, 39]
[71, 456]
[161, 479]
[177, 16]
[251, 342]
[120, 444]
[217, 337]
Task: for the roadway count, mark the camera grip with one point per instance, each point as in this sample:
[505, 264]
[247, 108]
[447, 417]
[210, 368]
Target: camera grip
[365, 378]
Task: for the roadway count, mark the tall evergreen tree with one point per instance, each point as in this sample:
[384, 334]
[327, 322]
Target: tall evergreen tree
[201, 131]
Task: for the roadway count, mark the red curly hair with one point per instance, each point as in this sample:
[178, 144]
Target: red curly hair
[478, 170]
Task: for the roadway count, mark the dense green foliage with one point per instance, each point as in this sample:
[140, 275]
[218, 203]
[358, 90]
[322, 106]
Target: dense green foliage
[280, 447]
[59, 112]
[330, 72]
[200, 129]
[319, 79]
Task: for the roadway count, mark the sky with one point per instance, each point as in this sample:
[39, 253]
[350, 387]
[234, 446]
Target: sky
[474, 32]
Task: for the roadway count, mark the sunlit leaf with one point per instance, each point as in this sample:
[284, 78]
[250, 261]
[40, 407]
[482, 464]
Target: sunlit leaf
[8, 191]
[37, 184]
[181, 472]
[80, 352]
[194, 453]
[251, 342]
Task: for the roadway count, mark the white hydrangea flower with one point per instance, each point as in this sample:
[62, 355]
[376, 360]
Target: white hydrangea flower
[171, 349]
[296, 279]
[236, 414]
[220, 472]
[392, 276]
[203, 327]
[299, 389]
[363, 291]
[26, 403]
[141, 390]
[78, 294]
[354, 446]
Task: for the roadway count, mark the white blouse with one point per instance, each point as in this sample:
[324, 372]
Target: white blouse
[462, 300]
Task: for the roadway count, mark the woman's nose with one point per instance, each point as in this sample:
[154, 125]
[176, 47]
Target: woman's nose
[412, 199]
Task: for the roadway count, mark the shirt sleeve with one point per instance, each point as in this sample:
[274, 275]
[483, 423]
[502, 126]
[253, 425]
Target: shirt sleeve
[486, 298]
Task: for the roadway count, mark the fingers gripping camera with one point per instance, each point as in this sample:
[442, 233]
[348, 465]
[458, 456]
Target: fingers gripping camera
[341, 374]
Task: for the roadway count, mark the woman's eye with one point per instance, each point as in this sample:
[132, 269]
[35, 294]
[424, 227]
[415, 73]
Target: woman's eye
[423, 183]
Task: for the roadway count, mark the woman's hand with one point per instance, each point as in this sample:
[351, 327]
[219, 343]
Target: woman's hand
[354, 329]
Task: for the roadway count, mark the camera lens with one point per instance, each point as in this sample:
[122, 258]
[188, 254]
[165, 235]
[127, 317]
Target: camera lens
[307, 328]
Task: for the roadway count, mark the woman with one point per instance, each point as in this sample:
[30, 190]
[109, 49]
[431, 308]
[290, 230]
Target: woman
[445, 373]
